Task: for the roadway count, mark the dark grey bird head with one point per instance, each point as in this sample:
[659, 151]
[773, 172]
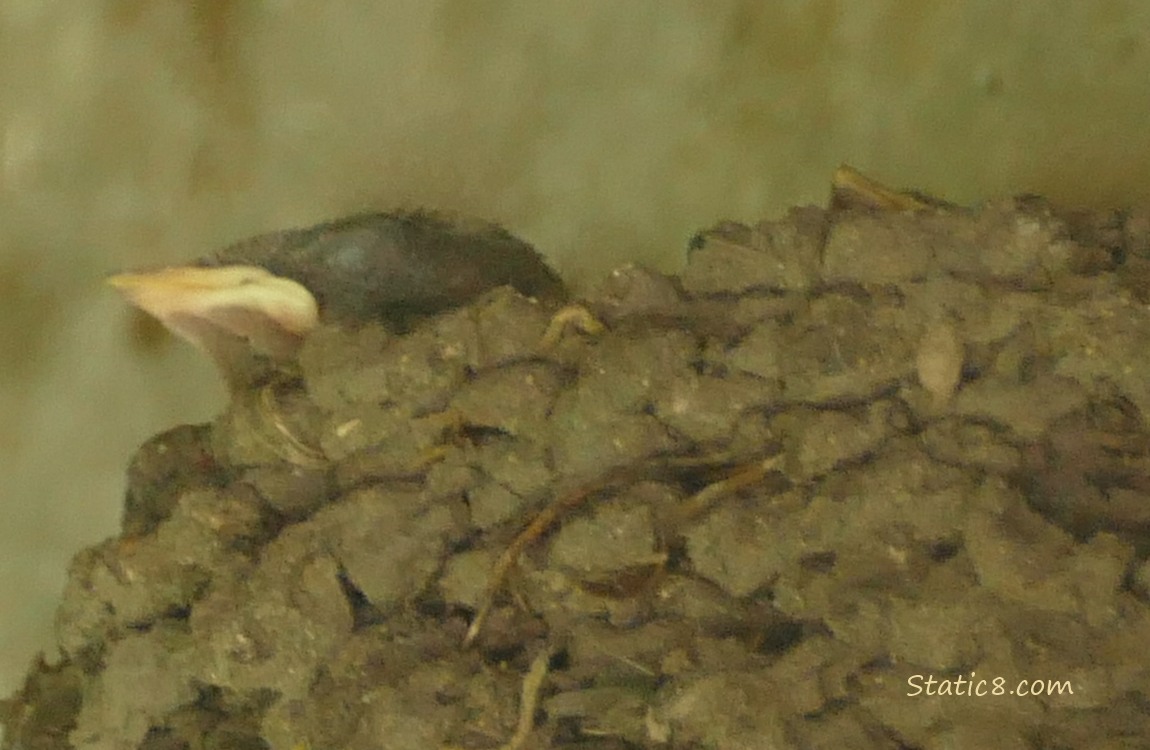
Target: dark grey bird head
[263, 295]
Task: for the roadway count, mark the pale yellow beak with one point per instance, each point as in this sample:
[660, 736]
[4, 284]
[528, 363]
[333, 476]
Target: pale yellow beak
[207, 305]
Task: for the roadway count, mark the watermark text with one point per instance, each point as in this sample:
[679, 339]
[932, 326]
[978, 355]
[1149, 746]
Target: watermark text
[975, 686]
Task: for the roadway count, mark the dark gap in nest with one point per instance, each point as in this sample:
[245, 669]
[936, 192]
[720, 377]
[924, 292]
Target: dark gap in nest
[560, 661]
[819, 562]
[944, 549]
[364, 614]
[504, 653]
[479, 435]
[970, 372]
[780, 637]
[430, 606]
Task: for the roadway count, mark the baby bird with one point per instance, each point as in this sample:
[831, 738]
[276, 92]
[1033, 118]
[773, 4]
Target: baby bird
[250, 305]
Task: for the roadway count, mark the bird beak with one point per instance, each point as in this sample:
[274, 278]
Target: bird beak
[207, 305]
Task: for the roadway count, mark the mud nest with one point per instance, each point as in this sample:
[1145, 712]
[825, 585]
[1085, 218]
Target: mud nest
[856, 478]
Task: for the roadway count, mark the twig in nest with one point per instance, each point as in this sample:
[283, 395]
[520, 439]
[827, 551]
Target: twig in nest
[538, 526]
[571, 316]
[743, 476]
[851, 188]
[529, 700]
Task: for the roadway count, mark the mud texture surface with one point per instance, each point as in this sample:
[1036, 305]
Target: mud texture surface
[855, 479]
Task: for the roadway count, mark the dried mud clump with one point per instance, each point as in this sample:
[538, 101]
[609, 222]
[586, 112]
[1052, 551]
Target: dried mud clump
[860, 477]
